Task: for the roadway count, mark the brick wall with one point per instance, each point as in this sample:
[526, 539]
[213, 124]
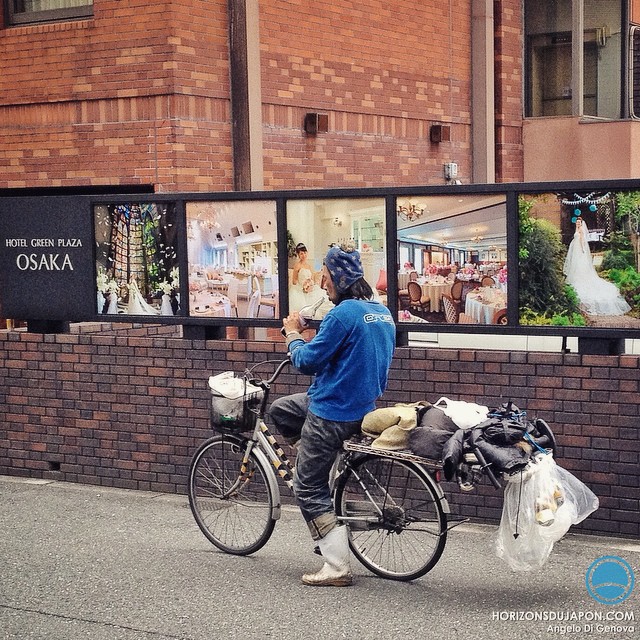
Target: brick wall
[383, 73]
[509, 90]
[136, 95]
[128, 407]
[139, 94]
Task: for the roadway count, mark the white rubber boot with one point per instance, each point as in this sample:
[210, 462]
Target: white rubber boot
[336, 571]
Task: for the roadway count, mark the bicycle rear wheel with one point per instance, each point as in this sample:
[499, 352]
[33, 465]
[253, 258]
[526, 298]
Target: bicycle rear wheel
[233, 507]
[397, 526]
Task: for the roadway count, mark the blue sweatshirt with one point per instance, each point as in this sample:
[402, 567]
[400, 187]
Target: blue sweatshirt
[350, 357]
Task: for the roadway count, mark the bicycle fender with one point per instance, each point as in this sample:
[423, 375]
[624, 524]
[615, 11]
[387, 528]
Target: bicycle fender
[273, 482]
[438, 490]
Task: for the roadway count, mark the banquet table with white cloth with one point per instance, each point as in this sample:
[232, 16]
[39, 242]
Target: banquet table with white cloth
[209, 304]
[482, 304]
[434, 291]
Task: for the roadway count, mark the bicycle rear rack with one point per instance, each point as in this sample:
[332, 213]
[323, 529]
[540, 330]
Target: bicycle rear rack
[364, 446]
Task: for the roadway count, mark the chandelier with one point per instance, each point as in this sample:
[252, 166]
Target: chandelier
[410, 211]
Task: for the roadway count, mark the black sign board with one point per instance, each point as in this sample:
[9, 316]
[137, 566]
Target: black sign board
[46, 259]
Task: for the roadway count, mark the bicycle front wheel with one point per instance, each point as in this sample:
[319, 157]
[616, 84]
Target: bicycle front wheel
[232, 504]
[397, 526]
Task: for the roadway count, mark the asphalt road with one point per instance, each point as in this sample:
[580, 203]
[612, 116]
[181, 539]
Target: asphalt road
[85, 562]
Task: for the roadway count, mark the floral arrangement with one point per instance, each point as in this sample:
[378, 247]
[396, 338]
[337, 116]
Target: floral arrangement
[173, 284]
[468, 271]
[308, 285]
[408, 265]
[431, 269]
[405, 315]
[105, 284]
[502, 275]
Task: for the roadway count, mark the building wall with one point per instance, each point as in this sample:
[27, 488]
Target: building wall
[139, 94]
[383, 73]
[136, 95]
[128, 407]
[562, 148]
[509, 91]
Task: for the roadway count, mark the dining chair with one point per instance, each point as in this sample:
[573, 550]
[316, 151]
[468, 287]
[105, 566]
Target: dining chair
[270, 301]
[417, 301]
[500, 317]
[456, 291]
[451, 311]
[254, 304]
[487, 281]
[232, 294]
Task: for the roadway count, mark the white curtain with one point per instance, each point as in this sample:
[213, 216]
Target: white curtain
[47, 5]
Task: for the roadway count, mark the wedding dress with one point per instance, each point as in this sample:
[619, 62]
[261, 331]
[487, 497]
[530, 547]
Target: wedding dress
[137, 304]
[598, 297]
[304, 293]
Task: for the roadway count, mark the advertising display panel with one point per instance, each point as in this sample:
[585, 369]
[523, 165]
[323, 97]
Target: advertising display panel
[137, 269]
[232, 252]
[313, 226]
[579, 259]
[452, 259]
[557, 259]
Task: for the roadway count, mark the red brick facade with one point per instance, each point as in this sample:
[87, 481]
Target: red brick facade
[127, 408]
[139, 94]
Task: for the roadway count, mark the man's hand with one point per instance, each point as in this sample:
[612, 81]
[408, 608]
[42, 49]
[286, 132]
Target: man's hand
[292, 323]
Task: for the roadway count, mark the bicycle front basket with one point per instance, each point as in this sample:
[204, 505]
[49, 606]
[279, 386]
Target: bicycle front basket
[234, 403]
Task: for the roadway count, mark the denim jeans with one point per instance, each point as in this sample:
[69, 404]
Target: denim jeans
[288, 415]
[320, 442]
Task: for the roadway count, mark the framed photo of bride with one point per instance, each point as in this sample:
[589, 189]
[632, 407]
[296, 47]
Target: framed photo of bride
[136, 258]
[314, 225]
[579, 259]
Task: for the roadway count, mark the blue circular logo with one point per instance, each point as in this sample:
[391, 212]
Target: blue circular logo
[610, 580]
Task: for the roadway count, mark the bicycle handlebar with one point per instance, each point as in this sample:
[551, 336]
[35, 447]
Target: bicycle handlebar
[265, 384]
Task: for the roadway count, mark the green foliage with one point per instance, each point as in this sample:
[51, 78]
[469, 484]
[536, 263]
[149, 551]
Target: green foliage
[628, 282]
[628, 207]
[545, 297]
[619, 254]
[542, 286]
[617, 260]
[525, 222]
[291, 245]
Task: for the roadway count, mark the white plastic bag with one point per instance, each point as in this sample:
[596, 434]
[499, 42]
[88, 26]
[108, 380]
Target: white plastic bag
[464, 414]
[540, 504]
[227, 385]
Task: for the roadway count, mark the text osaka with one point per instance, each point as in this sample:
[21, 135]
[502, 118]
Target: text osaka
[44, 262]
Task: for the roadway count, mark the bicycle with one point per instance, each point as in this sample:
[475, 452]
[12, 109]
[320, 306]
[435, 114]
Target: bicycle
[391, 502]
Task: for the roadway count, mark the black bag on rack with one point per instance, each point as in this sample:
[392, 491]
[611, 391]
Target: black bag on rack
[432, 432]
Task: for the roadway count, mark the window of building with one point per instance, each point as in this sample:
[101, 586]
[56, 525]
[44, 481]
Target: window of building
[635, 72]
[26, 11]
[556, 31]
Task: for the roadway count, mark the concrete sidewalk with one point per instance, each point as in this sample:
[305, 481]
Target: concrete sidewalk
[87, 562]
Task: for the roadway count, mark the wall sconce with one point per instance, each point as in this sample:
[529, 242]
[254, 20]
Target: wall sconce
[337, 222]
[316, 123]
[440, 133]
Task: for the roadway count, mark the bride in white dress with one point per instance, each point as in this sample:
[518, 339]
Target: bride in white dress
[304, 291]
[137, 304]
[598, 297]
